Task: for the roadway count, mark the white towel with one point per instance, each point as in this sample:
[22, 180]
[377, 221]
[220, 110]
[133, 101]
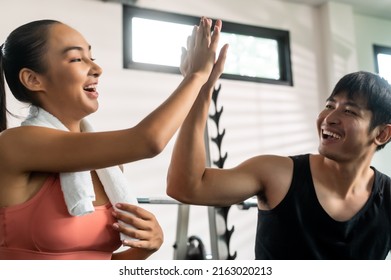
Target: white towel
[77, 187]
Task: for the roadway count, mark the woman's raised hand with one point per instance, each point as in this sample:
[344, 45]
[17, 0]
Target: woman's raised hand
[200, 56]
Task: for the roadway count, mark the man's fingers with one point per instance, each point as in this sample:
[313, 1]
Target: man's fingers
[218, 68]
[222, 57]
[216, 35]
[184, 62]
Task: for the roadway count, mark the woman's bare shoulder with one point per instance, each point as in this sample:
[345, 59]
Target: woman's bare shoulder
[12, 137]
[15, 141]
[16, 132]
[8, 136]
[9, 140]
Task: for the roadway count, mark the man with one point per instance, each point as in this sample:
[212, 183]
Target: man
[331, 205]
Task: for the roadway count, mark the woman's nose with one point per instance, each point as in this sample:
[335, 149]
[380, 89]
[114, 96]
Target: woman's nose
[96, 70]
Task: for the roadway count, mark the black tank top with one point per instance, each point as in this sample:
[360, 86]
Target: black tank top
[299, 228]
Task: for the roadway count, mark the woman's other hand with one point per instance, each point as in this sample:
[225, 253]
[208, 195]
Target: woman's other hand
[144, 232]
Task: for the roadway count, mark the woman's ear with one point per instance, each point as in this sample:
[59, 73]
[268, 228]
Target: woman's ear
[383, 135]
[30, 79]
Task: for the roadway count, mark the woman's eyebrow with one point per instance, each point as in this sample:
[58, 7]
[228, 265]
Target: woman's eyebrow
[78, 48]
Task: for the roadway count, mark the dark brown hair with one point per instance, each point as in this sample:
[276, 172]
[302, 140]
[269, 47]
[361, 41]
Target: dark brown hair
[25, 47]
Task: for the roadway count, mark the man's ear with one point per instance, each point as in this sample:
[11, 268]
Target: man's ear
[384, 135]
[30, 79]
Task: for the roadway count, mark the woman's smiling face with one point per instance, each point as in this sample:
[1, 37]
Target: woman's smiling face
[70, 83]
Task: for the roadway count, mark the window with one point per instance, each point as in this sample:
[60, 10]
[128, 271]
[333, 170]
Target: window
[153, 41]
[383, 61]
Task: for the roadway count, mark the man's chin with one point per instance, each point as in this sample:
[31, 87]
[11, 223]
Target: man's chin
[329, 154]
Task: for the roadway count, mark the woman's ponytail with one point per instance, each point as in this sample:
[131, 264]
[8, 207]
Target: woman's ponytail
[3, 108]
[25, 47]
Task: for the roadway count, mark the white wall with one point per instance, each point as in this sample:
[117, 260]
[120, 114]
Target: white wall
[372, 31]
[258, 118]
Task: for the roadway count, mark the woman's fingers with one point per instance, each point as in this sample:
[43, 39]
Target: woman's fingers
[200, 55]
[184, 62]
[143, 227]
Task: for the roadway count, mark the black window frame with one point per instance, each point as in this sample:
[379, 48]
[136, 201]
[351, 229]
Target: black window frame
[378, 49]
[281, 36]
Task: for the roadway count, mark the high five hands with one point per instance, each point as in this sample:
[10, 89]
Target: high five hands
[196, 55]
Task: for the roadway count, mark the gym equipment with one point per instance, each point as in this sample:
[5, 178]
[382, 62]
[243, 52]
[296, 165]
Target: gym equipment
[192, 247]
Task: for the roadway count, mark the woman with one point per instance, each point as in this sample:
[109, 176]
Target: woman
[49, 65]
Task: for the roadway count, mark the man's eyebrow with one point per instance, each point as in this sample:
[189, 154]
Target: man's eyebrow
[347, 103]
[78, 48]
[353, 104]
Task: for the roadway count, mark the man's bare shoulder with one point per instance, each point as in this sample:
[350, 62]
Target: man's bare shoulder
[271, 162]
[276, 176]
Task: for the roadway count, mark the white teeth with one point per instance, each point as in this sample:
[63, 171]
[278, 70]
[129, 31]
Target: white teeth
[331, 134]
[90, 88]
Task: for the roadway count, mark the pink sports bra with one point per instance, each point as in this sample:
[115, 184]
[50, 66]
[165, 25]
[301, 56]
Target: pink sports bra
[41, 228]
